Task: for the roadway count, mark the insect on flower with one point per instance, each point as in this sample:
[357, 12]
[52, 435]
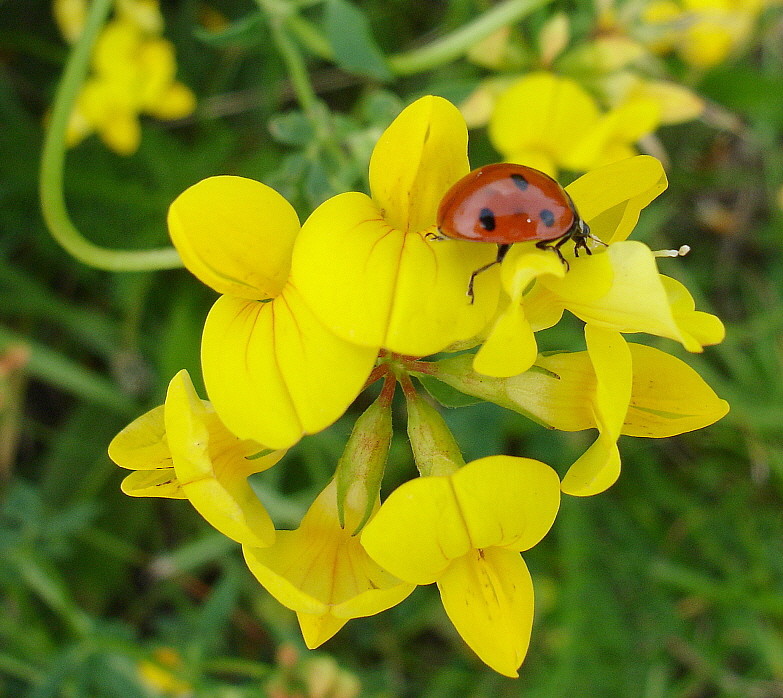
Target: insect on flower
[507, 203]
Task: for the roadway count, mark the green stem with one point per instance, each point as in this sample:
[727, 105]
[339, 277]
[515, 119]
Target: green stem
[51, 192]
[454, 45]
[297, 70]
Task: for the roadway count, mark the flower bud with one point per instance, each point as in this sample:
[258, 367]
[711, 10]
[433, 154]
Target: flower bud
[434, 448]
[360, 468]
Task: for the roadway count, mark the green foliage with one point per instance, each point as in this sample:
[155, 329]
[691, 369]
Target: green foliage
[670, 584]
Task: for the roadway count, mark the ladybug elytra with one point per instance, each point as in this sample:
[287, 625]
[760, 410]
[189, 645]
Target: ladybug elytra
[507, 203]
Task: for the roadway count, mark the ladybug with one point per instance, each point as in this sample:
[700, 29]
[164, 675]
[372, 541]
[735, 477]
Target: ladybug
[507, 203]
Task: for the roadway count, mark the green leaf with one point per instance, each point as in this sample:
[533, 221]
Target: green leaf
[355, 50]
[291, 128]
[445, 394]
[54, 368]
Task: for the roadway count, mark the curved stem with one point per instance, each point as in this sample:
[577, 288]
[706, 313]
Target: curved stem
[51, 193]
[451, 46]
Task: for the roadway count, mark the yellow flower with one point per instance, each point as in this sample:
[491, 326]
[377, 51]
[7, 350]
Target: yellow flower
[71, 14]
[465, 531]
[272, 370]
[160, 674]
[132, 74]
[620, 389]
[703, 32]
[617, 287]
[365, 265]
[181, 450]
[321, 571]
[551, 122]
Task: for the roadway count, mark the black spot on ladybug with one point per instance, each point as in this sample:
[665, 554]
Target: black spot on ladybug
[487, 219]
[547, 218]
[520, 181]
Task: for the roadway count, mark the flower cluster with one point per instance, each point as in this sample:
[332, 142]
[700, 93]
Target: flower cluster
[702, 32]
[133, 73]
[365, 291]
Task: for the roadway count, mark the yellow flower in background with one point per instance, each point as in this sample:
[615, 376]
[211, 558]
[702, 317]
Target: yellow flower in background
[272, 369]
[160, 674]
[465, 531]
[551, 123]
[366, 266]
[133, 73]
[181, 450]
[70, 16]
[703, 32]
[321, 571]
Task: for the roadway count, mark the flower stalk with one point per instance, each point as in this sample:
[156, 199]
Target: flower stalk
[51, 193]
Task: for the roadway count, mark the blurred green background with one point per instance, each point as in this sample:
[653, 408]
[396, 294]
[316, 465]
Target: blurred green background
[669, 584]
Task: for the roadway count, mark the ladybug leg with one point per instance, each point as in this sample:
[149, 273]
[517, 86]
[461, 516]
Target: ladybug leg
[434, 236]
[547, 245]
[502, 250]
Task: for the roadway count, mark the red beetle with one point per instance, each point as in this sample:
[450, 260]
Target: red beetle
[509, 203]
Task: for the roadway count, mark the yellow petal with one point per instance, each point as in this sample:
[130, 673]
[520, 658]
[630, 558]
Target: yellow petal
[121, 132]
[274, 372]
[506, 501]
[142, 445]
[419, 156]
[235, 235]
[624, 124]
[558, 392]
[495, 501]
[376, 286]
[536, 158]
[488, 596]
[637, 300]
[611, 197]
[668, 396]
[510, 348]
[417, 531]
[212, 466]
[153, 483]
[589, 278]
[317, 628]
[599, 467]
[157, 66]
[699, 329]
[678, 102]
[175, 102]
[541, 112]
[321, 569]
[70, 16]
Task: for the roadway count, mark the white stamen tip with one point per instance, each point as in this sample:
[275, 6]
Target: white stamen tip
[673, 253]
